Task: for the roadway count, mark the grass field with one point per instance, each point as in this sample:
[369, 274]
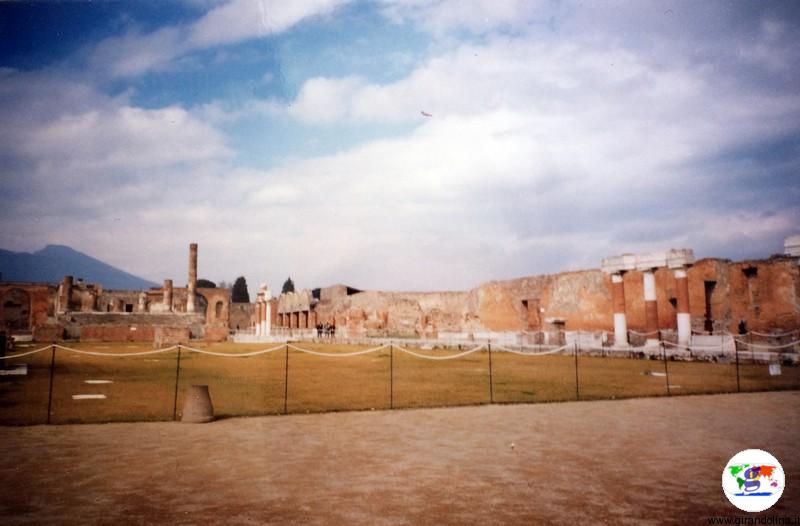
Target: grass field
[143, 387]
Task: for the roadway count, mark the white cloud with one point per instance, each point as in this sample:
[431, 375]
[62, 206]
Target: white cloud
[236, 20]
[477, 16]
[243, 19]
[221, 111]
[325, 100]
[545, 152]
[75, 154]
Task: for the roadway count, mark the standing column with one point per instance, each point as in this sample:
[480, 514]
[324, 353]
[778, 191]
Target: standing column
[167, 299]
[192, 286]
[264, 316]
[267, 315]
[650, 307]
[682, 304]
[618, 300]
[257, 324]
[64, 294]
[262, 320]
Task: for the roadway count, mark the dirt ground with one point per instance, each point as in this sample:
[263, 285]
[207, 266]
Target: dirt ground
[638, 461]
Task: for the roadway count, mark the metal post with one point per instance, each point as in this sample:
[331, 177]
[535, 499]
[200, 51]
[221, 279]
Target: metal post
[666, 370]
[286, 383]
[50, 393]
[177, 379]
[491, 385]
[736, 350]
[391, 376]
[577, 385]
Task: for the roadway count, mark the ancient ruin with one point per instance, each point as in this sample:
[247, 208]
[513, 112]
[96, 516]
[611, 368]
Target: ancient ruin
[641, 297]
[633, 299]
[88, 312]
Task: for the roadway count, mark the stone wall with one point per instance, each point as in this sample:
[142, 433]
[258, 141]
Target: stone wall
[37, 305]
[166, 336]
[241, 316]
[764, 293]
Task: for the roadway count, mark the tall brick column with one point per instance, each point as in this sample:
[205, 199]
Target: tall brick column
[618, 301]
[167, 299]
[65, 293]
[191, 288]
[650, 306]
[682, 300]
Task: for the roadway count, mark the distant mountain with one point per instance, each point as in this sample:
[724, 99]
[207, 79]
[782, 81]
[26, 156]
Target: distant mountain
[53, 262]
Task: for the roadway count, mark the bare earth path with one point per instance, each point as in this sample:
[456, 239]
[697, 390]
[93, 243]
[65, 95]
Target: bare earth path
[642, 461]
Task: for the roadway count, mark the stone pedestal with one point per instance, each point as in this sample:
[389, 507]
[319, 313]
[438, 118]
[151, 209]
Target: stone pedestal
[197, 408]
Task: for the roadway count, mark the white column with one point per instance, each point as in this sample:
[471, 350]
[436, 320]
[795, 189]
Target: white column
[650, 307]
[620, 322]
[267, 315]
[684, 319]
[257, 318]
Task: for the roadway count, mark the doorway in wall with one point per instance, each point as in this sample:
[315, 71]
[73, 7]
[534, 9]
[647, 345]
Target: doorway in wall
[709, 294]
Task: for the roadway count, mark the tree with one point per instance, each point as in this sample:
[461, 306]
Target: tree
[288, 286]
[206, 284]
[239, 293]
[223, 284]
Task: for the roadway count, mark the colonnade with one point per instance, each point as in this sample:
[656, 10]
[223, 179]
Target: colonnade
[678, 261]
[305, 319]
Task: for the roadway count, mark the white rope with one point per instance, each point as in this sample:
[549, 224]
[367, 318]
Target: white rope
[336, 355]
[758, 346]
[20, 355]
[679, 346]
[643, 333]
[521, 353]
[116, 355]
[616, 349]
[775, 334]
[451, 357]
[235, 355]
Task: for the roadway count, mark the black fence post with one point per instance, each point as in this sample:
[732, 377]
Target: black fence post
[391, 376]
[50, 392]
[666, 370]
[491, 384]
[736, 350]
[177, 379]
[577, 384]
[286, 383]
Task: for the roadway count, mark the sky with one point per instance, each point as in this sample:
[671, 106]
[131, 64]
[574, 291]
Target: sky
[397, 145]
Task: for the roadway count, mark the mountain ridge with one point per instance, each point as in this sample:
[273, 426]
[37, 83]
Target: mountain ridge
[53, 262]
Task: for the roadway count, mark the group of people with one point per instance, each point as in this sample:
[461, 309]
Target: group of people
[327, 330]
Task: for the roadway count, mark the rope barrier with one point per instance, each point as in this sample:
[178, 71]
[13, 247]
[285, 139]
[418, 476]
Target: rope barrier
[452, 357]
[616, 349]
[234, 355]
[758, 346]
[338, 355]
[116, 355]
[691, 348]
[775, 334]
[679, 346]
[642, 333]
[20, 355]
[544, 353]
